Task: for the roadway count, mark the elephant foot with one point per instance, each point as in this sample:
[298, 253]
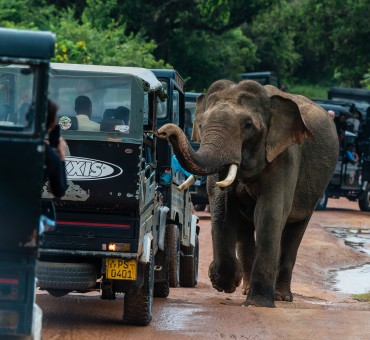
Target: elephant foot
[259, 301]
[260, 295]
[227, 280]
[281, 295]
[282, 291]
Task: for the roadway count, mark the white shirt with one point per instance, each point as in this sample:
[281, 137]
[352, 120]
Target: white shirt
[356, 123]
[85, 124]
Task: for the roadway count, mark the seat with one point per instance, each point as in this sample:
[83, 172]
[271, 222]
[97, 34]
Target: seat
[109, 125]
[122, 112]
[114, 117]
[109, 114]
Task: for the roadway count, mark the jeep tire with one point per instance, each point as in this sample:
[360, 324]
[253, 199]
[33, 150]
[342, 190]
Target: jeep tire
[138, 304]
[173, 235]
[66, 276]
[189, 265]
[364, 200]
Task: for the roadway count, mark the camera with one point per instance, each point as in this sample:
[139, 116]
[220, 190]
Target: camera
[54, 136]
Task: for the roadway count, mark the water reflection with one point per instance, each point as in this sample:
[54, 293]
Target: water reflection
[354, 280]
[355, 238]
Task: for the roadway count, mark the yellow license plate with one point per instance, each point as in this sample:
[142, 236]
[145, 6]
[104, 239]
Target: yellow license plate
[119, 269]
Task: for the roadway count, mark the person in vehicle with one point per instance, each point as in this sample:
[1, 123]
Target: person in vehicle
[83, 109]
[341, 125]
[331, 114]
[123, 113]
[55, 168]
[55, 154]
[351, 155]
[355, 122]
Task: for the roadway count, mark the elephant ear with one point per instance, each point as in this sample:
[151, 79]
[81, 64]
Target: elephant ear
[287, 127]
[200, 108]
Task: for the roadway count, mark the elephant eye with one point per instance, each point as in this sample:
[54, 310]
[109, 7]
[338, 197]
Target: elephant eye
[248, 124]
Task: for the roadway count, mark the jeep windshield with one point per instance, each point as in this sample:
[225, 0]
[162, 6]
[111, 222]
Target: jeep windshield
[17, 99]
[98, 100]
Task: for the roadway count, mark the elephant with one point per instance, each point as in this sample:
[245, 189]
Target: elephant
[268, 156]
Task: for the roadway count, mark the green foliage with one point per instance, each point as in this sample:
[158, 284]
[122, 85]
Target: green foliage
[309, 91]
[197, 36]
[98, 13]
[305, 41]
[362, 297]
[350, 38]
[215, 12]
[92, 39]
[366, 81]
[210, 56]
[335, 39]
[84, 43]
[273, 33]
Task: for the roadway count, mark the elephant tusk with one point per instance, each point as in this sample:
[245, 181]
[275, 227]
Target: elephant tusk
[189, 181]
[229, 178]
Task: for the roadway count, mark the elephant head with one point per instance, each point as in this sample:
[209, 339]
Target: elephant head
[241, 127]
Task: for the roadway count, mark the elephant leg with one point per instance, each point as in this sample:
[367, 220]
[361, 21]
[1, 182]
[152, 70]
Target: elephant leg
[291, 239]
[245, 247]
[225, 270]
[268, 223]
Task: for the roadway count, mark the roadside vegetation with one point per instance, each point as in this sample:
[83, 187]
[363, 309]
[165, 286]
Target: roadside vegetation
[362, 297]
[311, 44]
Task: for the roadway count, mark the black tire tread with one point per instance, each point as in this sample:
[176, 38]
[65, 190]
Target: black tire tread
[173, 235]
[189, 265]
[138, 304]
[73, 276]
[364, 201]
[162, 288]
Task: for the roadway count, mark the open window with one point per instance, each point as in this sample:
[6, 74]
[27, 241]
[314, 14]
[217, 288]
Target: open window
[17, 99]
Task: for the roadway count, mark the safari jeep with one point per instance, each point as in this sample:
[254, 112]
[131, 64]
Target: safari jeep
[351, 179]
[113, 230]
[183, 227]
[23, 95]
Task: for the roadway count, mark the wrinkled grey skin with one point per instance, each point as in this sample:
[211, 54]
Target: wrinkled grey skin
[286, 148]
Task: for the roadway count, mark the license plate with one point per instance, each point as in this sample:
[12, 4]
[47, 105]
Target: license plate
[118, 269]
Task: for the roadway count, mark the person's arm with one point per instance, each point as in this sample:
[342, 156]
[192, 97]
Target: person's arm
[177, 167]
[352, 157]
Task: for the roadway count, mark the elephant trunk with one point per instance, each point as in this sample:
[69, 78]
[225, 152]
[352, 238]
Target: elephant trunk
[208, 160]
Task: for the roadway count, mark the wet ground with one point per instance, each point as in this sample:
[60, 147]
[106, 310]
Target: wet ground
[317, 312]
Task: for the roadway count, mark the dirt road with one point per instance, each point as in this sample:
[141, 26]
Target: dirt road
[317, 311]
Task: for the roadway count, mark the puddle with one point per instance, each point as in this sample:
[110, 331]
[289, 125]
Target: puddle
[354, 280]
[355, 238]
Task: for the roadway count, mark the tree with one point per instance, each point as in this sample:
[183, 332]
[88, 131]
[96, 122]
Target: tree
[273, 33]
[211, 56]
[332, 39]
[100, 40]
[196, 37]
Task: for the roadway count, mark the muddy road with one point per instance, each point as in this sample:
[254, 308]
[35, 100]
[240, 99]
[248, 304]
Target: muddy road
[317, 312]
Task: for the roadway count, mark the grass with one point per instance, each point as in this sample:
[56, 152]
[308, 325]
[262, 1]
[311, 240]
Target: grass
[362, 297]
[310, 91]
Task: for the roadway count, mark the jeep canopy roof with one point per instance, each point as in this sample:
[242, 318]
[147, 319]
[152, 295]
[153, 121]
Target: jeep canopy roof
[263, 77]
[119, 99]
[151, 83]
[355, 94]
[26, 44]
